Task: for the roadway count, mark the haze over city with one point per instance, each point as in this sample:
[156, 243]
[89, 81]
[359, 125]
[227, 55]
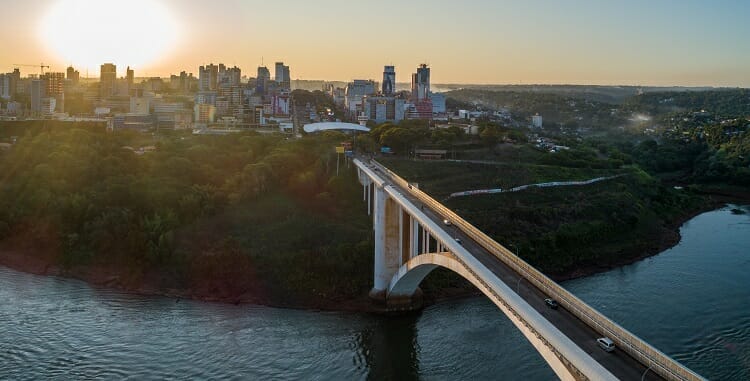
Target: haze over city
[640, 42]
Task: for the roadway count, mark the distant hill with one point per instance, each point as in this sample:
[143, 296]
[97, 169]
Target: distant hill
[607, 94]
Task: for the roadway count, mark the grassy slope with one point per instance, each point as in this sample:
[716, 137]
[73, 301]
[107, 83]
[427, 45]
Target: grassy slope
[559, 230]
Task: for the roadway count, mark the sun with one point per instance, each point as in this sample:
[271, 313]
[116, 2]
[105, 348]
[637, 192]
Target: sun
[87, 33]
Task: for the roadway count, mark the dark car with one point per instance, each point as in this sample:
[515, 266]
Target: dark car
[552, 303]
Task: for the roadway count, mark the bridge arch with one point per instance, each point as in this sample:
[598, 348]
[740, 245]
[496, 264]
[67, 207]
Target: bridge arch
[410, 275]
[406, 281]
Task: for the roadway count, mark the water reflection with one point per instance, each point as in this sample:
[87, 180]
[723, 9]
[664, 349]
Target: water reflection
[691, 302]
[390, 348]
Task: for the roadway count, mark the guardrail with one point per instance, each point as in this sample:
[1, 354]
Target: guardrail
[651, 357]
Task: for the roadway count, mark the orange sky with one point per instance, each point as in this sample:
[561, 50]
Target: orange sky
[476, 41]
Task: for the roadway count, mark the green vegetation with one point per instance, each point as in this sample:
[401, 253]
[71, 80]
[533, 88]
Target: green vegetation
[704, 137]
[727, 103]
[221, 216]
[690, 136]
[557, 110]
[264, 218]
[558, 230]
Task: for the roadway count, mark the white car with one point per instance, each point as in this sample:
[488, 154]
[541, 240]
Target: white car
[446, 223]
[606, 343]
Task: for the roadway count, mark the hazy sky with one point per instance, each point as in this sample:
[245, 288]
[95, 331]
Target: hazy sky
[656, 42]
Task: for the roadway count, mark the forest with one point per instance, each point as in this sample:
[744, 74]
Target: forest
[228, 217]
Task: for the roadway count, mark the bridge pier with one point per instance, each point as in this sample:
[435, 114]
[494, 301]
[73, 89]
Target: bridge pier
[393, 247]
[387, 246]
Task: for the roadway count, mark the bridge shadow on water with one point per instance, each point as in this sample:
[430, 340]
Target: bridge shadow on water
[389, 348]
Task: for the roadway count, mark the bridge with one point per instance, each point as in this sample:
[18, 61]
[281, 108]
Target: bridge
[411, 240]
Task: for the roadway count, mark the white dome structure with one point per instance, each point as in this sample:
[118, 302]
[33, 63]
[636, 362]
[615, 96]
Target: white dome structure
[334, 126]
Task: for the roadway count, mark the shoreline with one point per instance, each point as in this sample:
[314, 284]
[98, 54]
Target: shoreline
[107, 278]
[669, 238]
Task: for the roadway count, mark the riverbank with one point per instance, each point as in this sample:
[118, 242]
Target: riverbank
[669, 237]
[44, 263]
[107, 277]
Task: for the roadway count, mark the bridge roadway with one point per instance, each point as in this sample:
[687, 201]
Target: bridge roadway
[619, 363]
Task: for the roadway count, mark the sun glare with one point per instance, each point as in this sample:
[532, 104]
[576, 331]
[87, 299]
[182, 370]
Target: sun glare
[87, 33]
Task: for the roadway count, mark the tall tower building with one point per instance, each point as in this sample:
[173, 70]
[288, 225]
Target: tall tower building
[107, 80]
[38, 91]
[420, 83]
[73, 75]
[54, 83]
[282, 76]
[389, 80]
[264, 75]
[55, 86]
[130, 76]
[9, 84]
[208, 77]
[229, 76]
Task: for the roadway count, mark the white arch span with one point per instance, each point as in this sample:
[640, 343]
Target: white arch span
[540, 333]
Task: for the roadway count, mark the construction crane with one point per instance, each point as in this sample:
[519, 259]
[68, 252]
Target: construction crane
[41, 67]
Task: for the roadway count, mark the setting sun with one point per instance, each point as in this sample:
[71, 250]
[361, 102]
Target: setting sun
[88, 33]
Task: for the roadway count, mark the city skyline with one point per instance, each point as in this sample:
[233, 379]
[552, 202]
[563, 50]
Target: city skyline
[481, 42]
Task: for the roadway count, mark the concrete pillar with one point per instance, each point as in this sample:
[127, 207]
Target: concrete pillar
[369, 199]
[387, 242]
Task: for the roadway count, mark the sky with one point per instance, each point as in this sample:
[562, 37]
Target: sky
[631, 42]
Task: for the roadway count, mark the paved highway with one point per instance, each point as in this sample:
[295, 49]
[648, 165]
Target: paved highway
[618, 362]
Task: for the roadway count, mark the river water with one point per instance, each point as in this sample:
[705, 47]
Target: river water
[692, 302]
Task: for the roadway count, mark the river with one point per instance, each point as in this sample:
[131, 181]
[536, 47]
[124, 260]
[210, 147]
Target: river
[692, 302]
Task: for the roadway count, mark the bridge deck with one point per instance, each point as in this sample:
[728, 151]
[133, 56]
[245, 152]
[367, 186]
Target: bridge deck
[618, 362]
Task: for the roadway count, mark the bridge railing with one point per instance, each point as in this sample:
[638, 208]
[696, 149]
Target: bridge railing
[658, 362]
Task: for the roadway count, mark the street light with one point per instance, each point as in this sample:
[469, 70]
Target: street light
[518, 285]
[520, 278]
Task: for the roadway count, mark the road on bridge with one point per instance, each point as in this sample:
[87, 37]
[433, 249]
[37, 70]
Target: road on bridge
[619, 363]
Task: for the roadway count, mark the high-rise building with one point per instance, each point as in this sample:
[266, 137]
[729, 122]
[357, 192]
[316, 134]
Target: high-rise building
[54, 83]
[264, 76]
[282, 76]
[15, 78]
[381, 109]
[107, 80]
[420, 84]
[38, 91]
[55, 87]
[130, 77]
[229, 76]
[355, 91]
[181, 82]
[9, 83]
[389, 80]
[208, 77]
[73, 75]
[185, 81]
[5, 86]
[438, 103]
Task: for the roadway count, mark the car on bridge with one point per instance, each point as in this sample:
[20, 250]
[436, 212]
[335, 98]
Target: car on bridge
[552, 303]
[458, 240]
[447, 222]
[606, 343]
